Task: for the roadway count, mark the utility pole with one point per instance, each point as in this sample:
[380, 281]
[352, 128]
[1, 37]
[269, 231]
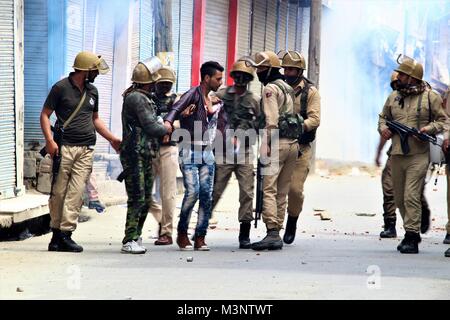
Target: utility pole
[163, 31]
[314, 55]
[314, 42]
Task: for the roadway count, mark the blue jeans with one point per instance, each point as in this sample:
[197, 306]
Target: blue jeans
[197, 167]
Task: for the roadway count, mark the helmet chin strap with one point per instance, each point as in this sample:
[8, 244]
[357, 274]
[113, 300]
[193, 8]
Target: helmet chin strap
[268, 75]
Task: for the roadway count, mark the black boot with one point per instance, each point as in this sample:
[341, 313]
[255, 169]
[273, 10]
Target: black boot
[447, 239]
[54, 242]
[291, 227]
[410, 243]
[403, 242]
[389, 229]
[425, 222]
[66, 244]
[271, 241]
[244, 235]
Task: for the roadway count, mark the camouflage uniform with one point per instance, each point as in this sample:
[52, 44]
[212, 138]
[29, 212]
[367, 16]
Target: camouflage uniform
[141, 131]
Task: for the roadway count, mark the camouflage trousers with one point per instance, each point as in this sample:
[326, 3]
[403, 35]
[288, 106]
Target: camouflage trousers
[138, 184]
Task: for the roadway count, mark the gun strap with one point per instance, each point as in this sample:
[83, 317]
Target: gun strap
[419, 107]
[77, 109]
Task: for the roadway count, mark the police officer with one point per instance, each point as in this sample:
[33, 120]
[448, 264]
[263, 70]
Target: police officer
[240, 112]
[307, 104]
[389, 207]
[75, 102]
[141, 131]
[415, 105]
[279, 155]
[166, 162]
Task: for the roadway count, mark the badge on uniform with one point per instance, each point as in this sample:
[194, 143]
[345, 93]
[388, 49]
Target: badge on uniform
[91, 101]
[268, 94]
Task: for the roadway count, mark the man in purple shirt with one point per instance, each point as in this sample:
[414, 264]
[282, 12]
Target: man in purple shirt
[196, 111]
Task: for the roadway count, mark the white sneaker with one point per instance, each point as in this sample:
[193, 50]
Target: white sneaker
[132, 247]
[139, 242]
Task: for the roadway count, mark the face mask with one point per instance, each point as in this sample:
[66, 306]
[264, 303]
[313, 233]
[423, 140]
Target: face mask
[241, 79]
[90, 78]
[262, 76]
[292, 80]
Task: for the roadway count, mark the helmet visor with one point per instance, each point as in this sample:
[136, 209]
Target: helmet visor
[262, 57]
[249, 62]
[102, 66]
[153, 65]
[295, 56]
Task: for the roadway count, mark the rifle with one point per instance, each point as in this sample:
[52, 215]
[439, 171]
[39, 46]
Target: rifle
[57, 137]
[404, 131]
[259, 193]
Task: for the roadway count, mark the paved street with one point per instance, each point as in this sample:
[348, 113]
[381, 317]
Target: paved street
[342, 258]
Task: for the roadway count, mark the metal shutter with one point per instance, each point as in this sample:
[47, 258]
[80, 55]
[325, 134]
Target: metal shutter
[298, 37]
[35, 68]
[281, 34]
[135, 36]
[74, 31]
[99, 38]
[146, 30]
[258, 40]
[216, 32]
[182, 24]
[271, 22]
[7, 95]
[292, 22]
[244, 7]
[259, 25]
[305, 22]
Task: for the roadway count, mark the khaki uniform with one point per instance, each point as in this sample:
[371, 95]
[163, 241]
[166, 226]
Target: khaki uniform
[303, 163]
[240, 111]
[409, 171]
[276, 182]
[165, 167]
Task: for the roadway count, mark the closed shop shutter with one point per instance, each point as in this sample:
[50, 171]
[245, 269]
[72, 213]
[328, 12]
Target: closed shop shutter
[216, 32]
[74, 31]
[7, 113]
[244, 28]
[146, 30]
[305, 22]
[259, 36]
[35, 68]
[292, 21]
[135, 36]
[99, 38]
[259, 25]
[182, 28]
[281, 34]
[271, 23]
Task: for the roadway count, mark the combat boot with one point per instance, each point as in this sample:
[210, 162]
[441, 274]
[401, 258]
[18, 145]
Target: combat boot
[389, 229]
[66, 244]
[403, 242]
[425, 221]
[411, 243]
[291, 227]
[272, 241]
[244, 235]
[447, 239]
[54, 242]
